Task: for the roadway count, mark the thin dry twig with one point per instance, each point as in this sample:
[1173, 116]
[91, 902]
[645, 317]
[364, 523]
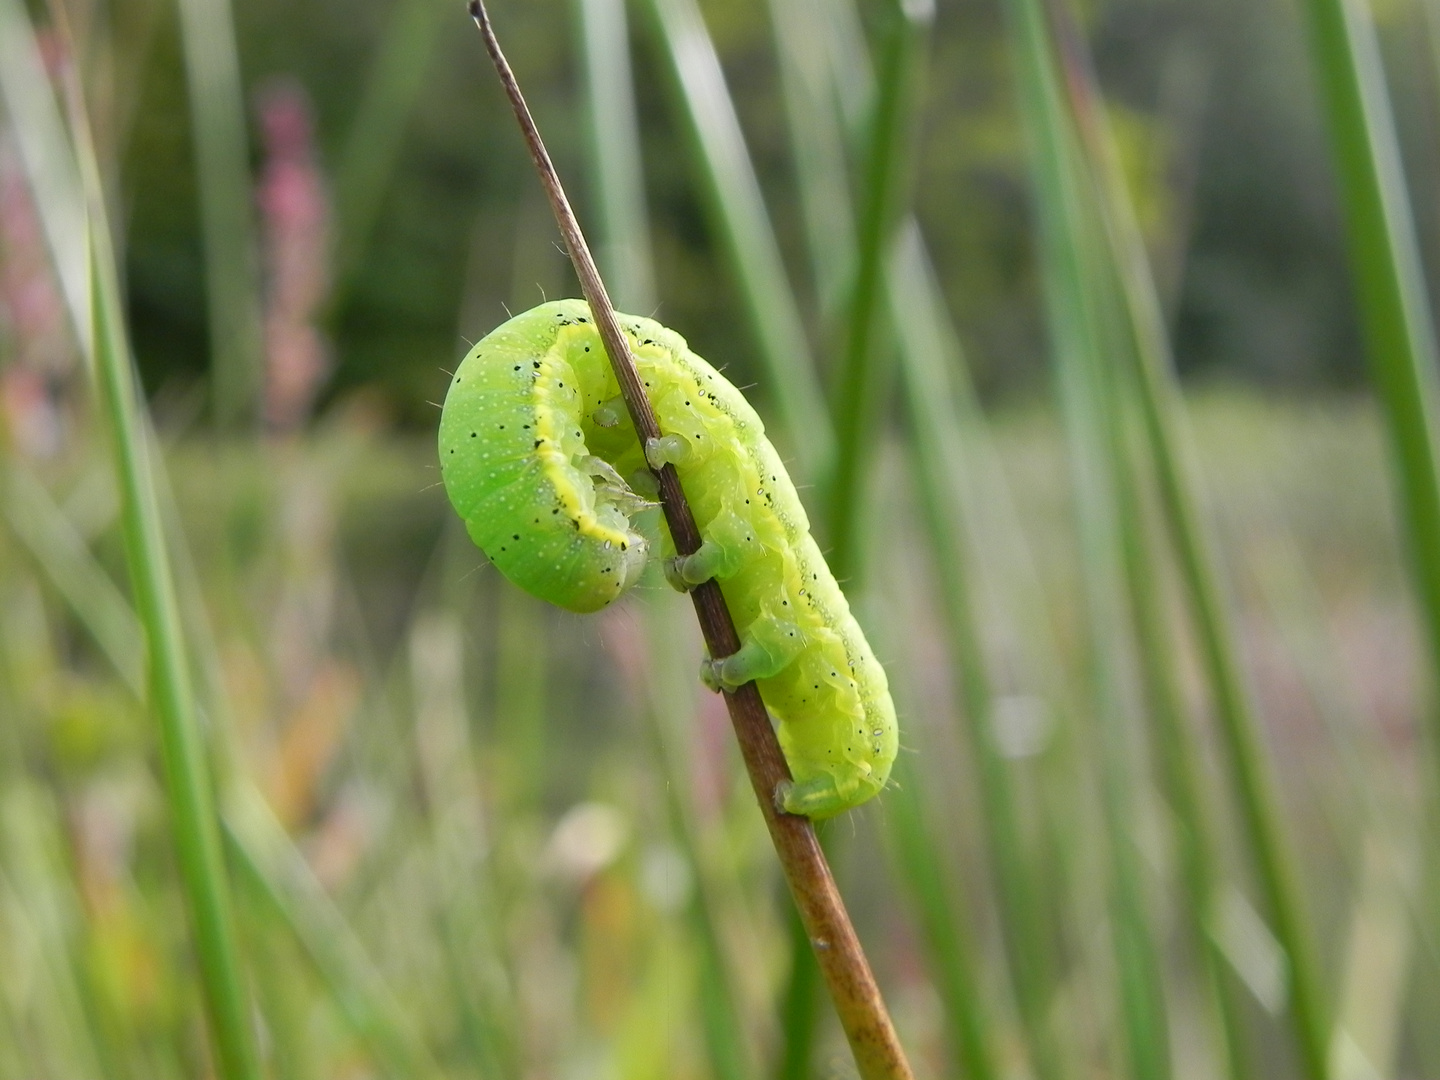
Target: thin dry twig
[847, 973]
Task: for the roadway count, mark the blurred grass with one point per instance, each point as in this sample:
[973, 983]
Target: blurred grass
[189, 785]
[222, 154]
[834, 68]
[740, 218]
[43, 145]
[183, 746]
[471, 836]
[1263, 826]
[1028, 445]
[376, 135]
[861, 382]
[1389, 278]
[1074, 265]
[625, 250]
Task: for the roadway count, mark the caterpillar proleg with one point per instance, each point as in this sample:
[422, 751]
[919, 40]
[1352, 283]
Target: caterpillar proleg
[535, 449]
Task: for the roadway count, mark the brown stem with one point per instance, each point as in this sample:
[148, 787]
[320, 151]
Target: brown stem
[847, 973]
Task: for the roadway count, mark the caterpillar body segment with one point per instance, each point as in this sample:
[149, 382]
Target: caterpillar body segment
[532, 453]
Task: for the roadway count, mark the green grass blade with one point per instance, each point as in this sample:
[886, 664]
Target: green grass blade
[939, 458]
[1055, 195]
[274, 869]
[1162, 412]
[952, 956]
[817, 140]
[1249, 770]
[1084, 334]
[623, 252]
[671, 709]
[1142, 986]
[1089, 420]
[1377, 817]
[222, 158]
[183, 745]
[522, 697]
[820, 75]
[182, 742]
[462, 874]
[800, 1007]
[957, 467]
[377, 132]
[862, 381]
[744, 226]
[1390, 281]
[61, 997]
[1177, 750]
[1388, 809]
[61, 551]
[817, 143]
[48, 159]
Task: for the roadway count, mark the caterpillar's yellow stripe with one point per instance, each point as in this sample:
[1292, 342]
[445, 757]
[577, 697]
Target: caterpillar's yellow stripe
[534, 448]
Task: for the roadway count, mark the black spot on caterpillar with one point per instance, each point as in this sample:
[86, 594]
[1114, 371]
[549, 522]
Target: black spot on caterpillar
[585, 552]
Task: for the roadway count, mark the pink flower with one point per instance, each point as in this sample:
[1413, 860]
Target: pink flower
[33, 328]
[295, 218]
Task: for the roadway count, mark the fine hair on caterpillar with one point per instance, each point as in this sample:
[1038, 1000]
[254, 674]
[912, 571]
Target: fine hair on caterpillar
[541, 461]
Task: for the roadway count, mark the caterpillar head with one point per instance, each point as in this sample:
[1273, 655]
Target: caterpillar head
[552, 517]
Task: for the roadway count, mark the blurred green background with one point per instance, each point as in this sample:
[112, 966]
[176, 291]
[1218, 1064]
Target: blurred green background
[1049, 307]
[1215, 102]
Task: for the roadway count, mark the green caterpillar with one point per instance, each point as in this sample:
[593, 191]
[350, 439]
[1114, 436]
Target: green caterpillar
[535, 446]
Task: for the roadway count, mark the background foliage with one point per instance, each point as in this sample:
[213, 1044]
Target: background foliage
[1219, 118]
[1160, 661]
